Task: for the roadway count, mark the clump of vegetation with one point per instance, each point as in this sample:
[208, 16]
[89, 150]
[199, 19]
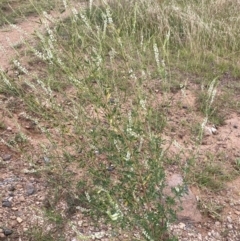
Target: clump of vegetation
[12, 11]
[101, 71]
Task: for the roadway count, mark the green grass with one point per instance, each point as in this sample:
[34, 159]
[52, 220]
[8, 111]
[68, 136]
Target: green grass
[212, 177]
[14, 11]
[95, 95]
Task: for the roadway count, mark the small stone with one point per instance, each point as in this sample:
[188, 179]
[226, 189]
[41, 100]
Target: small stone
[235, 126]
[229, 219]
[18, 186]
[6, 157]
[6, 204]
[207, 131]
[25, 229]
[11, 189]
[217, 223]
[32, 179]
[21, 199]
[13, 223]
[11, 194]
[229, 226]
[182, 225]
[46, 203]
[111, 101]
[14, 209]
[216, 235]
[91, 228]
[214, 130]
[204, 142]
[7, 231]
[19, 220]
[9, 128]
[200, 237]
[30, 189]
[41, 198]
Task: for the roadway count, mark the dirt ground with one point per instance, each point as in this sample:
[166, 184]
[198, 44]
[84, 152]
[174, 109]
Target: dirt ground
[23, 193]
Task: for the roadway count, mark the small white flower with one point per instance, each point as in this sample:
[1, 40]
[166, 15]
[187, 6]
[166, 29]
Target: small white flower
[85, 20]
[204, 123]
[143, 104]
[90, 5]
[88, 197]
[20, 67]
[128, 156]
[65, 4]
[75, 14]
[109, 16]
[5, 80]
[156, 54]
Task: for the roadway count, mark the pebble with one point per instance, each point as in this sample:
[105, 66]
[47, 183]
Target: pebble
[6, 157]
[216, 235]
[7, 231]
[11, 194]
[214, 130]
[18, 186]
[30, 189]
[207, 131]
[32, 179]
[229, 219]
[46, 160]
[229, 226]
[9, 128]
[217, 223]
[182, 225]
[19, 220]
[21, 199]
[6, 204]
[13, 223]
[11, 188]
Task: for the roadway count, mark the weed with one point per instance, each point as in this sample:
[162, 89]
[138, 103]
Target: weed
[237, 164]
[12, 11]
[212, 176]
[211, 208]
[102, 69]
[38, 234]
